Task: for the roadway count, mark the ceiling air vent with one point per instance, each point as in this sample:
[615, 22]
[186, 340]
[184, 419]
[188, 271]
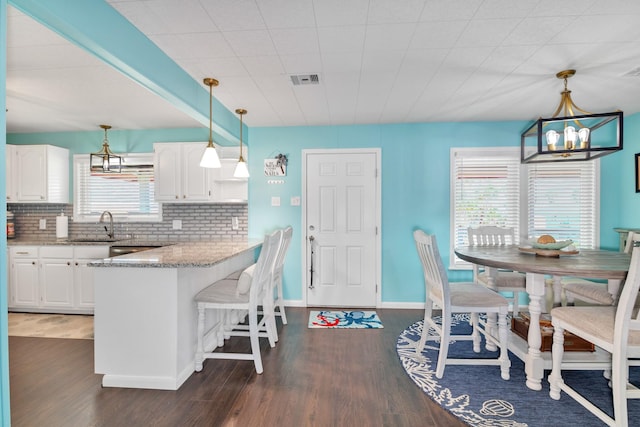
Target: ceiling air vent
[305, 79]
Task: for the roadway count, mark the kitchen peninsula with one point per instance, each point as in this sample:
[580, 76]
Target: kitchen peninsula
[145, 317]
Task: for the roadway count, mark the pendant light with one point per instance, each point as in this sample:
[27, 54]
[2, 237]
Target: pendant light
[571, 134]
[105, 160]
[241, 168]
[210, 157]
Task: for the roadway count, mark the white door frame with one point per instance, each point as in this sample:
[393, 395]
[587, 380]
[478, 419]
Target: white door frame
[378, 215]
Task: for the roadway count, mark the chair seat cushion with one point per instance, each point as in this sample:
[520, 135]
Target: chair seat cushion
[244, 282]
[505, 279]
[223, 292]
[471, 295]
[594, 321]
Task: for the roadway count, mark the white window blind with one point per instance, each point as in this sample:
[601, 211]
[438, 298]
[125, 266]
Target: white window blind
[129, 195]
[490, 187]
[562, 201]
[484, 190]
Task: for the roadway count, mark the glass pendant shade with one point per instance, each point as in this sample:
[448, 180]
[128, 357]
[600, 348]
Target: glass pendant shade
[242, 171]
[210, 157]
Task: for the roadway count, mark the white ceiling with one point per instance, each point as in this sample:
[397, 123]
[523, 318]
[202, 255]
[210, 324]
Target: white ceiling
[378, 61]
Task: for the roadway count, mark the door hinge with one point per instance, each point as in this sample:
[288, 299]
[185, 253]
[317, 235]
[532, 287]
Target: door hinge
[376, 230]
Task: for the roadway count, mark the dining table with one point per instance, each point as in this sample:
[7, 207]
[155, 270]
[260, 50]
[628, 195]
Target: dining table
[585, 263]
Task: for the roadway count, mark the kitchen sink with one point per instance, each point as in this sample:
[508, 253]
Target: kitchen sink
[123, 250]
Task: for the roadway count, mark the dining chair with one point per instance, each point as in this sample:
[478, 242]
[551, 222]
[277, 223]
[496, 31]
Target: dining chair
[223, 299]
[497, 280]
[590, 291]
[278, 302]
[458, 297]
[614, 329]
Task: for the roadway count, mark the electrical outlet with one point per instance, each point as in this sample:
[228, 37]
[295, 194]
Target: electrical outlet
[235, 225]
[177, 224]
[43, 224]
[275, 201]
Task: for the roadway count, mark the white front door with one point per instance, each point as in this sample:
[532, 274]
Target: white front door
[342, 221]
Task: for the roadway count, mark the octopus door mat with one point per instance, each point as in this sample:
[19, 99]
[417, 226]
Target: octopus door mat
[345, 319]
[480, 398]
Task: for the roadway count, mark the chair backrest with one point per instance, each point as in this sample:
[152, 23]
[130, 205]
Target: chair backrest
[491, 235]
[282, 253]
[632, 237]
[435, 276]
[263, 273]
[624, 312]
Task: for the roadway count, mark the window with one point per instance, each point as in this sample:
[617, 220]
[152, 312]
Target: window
[129, 195]
[489, 186]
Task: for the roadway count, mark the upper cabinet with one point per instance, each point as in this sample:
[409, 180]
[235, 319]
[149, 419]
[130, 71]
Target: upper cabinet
[37, 174]
[180, 179]
[177, 172]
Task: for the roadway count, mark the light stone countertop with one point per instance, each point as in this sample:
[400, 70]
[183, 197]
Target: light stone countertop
[182, 255]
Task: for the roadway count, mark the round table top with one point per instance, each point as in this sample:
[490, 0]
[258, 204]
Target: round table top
[589, 263]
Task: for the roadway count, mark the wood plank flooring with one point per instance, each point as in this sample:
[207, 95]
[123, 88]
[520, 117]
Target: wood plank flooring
[313, 377]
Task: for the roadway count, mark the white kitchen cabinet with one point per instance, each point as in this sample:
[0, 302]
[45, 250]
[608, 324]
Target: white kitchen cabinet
[225, 187]
[52, 279]
[56, 276]
[24, 277]
[40, 174]
[177, 173]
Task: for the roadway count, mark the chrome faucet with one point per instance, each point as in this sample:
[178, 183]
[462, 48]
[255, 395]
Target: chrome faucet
[109, 231]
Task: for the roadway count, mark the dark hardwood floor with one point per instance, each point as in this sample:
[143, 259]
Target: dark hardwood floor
[313, 377]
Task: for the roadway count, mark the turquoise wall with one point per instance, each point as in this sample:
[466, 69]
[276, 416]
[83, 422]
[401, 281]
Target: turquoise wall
[415, 189]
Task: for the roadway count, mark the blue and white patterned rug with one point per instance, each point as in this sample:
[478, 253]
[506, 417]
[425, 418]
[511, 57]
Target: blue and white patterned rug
[479, 397]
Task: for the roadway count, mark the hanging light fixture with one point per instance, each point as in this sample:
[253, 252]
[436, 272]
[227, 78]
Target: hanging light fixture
[571, 134]
[105, 160]
[210, 157]
[241, 168]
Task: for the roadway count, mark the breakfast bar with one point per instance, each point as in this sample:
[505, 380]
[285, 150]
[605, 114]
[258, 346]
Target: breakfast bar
[145, 317]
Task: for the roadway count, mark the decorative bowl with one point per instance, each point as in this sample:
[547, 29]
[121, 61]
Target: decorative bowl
[553, 246]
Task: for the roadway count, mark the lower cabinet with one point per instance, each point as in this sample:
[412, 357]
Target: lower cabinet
[53, 279]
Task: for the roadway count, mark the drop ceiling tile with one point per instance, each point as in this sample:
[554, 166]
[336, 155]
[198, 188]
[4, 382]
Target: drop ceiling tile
[330, 13]
[437, 34]
[506, 9]
[450, 10]
[388, 61]
[341, 62]
[247, 43]
[535, 30]
[389, 36]
[190, 46]
[287, 14]
[233, 15]
[220, 68]
[262, 65]
[295, 40]
[486, 32]
[301, 64]
[383, 11]
[140, 15]
[185, 16]
[341, 39]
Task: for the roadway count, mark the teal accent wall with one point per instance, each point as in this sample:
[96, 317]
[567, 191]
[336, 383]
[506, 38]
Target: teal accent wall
[415, 189]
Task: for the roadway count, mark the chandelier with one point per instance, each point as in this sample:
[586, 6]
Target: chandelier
[571, 134]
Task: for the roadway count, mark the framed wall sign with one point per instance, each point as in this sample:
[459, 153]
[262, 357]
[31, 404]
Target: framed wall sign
[274, 168]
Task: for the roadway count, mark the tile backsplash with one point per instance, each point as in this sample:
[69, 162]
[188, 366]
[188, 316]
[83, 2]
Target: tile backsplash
[199, 222]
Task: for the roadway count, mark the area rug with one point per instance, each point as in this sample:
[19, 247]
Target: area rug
[345, 319]
[479, 397]
[51, 325]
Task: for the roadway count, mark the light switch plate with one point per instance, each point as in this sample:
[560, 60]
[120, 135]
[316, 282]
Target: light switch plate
[234, 223]
[275, 201]
[177, 224]
[295, 201]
